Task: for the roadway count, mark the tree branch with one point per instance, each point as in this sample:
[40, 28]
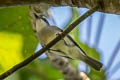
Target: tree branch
[107, 6]
[34, 56]
[61, 63]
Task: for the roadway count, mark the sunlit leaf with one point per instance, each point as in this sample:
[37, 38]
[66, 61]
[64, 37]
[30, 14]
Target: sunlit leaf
[17, 40]
[96, 75]
[10, 49]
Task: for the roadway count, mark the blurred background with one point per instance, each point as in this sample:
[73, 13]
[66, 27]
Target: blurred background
[98, 36]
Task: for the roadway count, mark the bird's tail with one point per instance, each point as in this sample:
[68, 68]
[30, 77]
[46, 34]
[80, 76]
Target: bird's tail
[93, 63]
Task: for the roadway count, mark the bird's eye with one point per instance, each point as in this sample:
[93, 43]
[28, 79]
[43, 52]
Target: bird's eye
[36, 16]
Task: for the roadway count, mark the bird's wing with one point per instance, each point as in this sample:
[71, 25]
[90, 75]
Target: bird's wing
[70, 38]
[69, 41]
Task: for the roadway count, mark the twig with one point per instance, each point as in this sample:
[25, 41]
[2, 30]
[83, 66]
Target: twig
[89, 27]
[113, 56]
[99, 30]
[34, 56]
[111, 72]
[63, 64]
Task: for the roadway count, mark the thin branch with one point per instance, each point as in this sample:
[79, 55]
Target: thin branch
[116, 68]
[113, 70]
[89, 27]
[63, 64]
[99, 30]
[113, 56]
[34, 56]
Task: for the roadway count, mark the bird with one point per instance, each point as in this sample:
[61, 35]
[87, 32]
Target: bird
[66, 47]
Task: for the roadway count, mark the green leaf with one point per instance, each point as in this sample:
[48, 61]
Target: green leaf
[45, 69]
[96, 75]
[17, 40]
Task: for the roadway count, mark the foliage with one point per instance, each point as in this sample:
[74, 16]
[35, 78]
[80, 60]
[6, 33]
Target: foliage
[16, 36]
[17, 42]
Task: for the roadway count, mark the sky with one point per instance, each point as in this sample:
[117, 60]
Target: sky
[109, 38]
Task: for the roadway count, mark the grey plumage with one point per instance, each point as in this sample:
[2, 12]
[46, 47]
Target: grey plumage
[65, 47]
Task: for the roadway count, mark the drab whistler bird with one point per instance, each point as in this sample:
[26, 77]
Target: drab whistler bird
[66, 47]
